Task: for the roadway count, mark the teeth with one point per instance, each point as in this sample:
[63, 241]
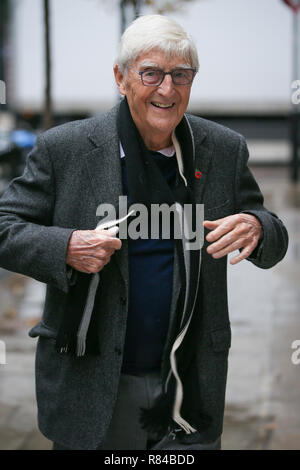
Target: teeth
[160, 105]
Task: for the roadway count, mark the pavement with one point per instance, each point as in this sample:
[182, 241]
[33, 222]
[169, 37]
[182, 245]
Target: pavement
[263, 386]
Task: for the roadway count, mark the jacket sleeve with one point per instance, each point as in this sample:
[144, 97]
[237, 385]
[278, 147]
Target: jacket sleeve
[249, 199]
[29, 243]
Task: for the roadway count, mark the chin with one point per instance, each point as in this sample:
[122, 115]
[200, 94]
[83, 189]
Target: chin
[162, 127]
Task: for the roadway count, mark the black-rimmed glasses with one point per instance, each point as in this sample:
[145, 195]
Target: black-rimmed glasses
[155, 77]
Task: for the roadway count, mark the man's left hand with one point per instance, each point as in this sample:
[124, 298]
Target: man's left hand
[232, 233]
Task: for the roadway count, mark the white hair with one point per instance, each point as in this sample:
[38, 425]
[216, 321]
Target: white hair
[155, 32]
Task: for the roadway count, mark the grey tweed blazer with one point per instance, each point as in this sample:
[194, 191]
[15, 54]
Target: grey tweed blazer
[72, 169]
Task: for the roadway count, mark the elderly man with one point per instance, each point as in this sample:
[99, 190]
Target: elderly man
[133, 343]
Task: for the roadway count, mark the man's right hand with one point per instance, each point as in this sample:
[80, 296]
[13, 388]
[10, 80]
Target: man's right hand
[90, 250]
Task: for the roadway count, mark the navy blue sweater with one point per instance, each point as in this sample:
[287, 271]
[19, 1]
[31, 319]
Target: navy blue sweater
[150, 289]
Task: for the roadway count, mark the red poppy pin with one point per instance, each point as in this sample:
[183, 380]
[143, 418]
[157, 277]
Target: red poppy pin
[198, 174]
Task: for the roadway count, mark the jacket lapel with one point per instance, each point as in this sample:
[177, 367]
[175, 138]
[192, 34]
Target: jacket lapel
[104, 169]
[203, 150]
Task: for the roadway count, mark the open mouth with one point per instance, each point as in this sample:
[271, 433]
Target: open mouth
[161, 105]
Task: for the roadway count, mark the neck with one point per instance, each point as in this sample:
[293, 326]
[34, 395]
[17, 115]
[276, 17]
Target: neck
[158, 143]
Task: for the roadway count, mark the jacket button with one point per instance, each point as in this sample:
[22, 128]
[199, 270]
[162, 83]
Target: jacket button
[123, 300]
[118, 351]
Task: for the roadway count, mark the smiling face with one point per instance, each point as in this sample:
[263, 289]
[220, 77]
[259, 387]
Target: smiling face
[156, 110]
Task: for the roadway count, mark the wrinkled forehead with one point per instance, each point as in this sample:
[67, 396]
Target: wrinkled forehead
[159, 59]
[153, 64]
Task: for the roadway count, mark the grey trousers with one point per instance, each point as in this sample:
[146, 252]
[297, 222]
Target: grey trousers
[125, 431]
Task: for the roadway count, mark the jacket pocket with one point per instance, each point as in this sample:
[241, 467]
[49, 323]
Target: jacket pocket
[221, 338]
[42, 330]
[220, 206]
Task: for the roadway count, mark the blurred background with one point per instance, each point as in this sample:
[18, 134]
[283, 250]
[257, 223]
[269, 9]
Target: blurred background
[56, 60]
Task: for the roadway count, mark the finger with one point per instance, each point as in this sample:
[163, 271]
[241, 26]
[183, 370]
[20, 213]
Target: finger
[227, 249]
[242, 255]
[106, 233]
[99, 264]
[114, 243]
[231, 239]
[109, 235]
[227, 224]
[109, 252]
[87, 265]
[213, 222]
[113, 231]
[109, 242]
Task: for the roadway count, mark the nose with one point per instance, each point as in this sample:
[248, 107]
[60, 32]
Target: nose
[167, 86]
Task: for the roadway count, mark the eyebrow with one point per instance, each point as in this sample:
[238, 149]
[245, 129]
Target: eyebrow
[154, 64]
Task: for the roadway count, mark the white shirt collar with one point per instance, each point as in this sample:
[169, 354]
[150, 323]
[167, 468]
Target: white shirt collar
[168, 151]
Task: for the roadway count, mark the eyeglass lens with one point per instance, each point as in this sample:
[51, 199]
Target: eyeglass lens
[179, 76]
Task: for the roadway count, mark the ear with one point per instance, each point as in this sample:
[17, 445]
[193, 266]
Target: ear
[120, 79]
